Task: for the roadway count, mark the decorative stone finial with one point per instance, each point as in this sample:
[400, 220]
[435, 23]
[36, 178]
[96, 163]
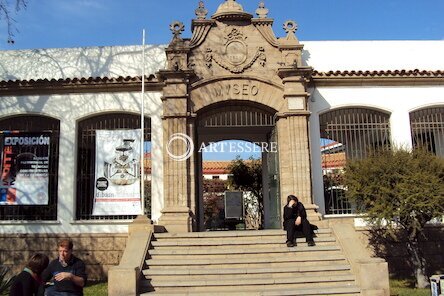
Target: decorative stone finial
[177, 28]
[201, 11]
[262, 12]
[231, 10]
[230, 6]
[291, 27]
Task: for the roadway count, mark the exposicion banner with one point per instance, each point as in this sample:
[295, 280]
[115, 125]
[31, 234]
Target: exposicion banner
[24, 168]
[117, 175]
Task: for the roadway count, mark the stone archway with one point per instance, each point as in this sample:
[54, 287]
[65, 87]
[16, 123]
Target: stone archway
[247, 121]
[233, 58]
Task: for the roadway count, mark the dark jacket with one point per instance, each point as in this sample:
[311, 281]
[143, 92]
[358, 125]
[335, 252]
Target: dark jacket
[24, 285]
[75, 266]
[290, 214]
[298, 210]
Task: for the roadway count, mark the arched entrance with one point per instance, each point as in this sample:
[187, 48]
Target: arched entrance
[203, 76]
[247, 121]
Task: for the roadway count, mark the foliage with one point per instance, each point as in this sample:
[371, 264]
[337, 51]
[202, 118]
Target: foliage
[405, 287]
[95, 289]
[213, 202]
[5, 280]
[399, 191]
[6, 14]
[247, 176]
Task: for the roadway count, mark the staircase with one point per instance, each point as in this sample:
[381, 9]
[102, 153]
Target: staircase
[246, 263]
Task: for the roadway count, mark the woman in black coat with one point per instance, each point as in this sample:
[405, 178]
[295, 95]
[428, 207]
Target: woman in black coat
[295, 218]
[28, 282]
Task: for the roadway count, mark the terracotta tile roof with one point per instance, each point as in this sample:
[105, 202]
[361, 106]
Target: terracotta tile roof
[209, 167]
[387, 73]
[216, 167]
[334, 160]
[81, 80]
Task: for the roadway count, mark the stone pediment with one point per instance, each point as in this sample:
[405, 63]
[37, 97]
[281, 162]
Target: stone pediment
[232, 42]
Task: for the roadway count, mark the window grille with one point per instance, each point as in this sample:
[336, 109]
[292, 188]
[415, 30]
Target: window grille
[348, 133]
[427, 127]
[237, 116]
[86, 160]
[36, 123]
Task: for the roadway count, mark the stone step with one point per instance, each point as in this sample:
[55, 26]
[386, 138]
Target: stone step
[232, 242]
[258, 287]
[237, 261]
[350, 290]
[253, 250]
[219, 234]
[184, 271]
[273, 275]
[233, 281]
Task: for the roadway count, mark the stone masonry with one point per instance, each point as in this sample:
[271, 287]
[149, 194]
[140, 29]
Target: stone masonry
[99, 251]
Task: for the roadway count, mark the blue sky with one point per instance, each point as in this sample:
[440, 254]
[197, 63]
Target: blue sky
[77, 23]
[74, 23]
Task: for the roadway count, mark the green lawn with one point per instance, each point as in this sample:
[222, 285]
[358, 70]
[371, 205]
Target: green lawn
[404, 287]
[397, 287]
[96, 289]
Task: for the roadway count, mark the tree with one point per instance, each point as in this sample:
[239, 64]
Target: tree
[213, 198]
[247, 176]
[399, 191]
[6, 14]
[5, 280]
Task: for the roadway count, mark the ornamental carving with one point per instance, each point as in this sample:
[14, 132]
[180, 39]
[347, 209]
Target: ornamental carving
[235, 54]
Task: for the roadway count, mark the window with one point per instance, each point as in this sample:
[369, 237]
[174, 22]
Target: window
[348, 133]
[428, 129]
[86, 160]
[35, 124]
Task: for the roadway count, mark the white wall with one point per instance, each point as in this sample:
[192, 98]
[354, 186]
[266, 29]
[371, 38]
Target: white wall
[57, 63]
[374, 55]
[69, 109]
[397, 101]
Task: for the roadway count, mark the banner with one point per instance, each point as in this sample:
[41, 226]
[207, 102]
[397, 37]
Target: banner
[24, 168]
[117, 174]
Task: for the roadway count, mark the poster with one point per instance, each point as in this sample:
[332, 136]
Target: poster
[24, 168]
[117, 173]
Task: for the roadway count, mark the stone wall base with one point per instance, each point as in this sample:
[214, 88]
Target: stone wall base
[100, 252]
[396, 255]
[176, 220]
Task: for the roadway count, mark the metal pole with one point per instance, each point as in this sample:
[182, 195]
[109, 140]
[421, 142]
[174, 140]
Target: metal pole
[142, 124]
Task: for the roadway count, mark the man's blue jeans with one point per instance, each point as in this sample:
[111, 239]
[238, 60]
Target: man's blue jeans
[51, 291]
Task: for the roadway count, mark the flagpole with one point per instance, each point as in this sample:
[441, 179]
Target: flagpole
[142, 124]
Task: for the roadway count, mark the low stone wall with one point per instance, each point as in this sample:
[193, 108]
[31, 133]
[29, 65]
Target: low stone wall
[396, 253]
[99, 251]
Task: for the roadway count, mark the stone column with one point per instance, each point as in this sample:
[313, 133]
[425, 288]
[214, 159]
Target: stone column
[176, 143]
[293, 140]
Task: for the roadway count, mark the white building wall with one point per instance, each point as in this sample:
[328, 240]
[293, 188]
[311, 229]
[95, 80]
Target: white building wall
[374, 55]
[397, 101]
[62, 63]
[70, 109]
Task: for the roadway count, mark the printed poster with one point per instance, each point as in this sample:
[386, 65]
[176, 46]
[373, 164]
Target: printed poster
[24, 168]
[117, 174]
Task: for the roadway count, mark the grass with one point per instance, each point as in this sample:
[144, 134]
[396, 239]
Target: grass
[399, 287]
[96, 289]
[405, 287]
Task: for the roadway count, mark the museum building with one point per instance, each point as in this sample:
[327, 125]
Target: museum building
[70, 124]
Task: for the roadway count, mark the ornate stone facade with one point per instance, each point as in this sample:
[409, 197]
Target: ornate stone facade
[234, 59]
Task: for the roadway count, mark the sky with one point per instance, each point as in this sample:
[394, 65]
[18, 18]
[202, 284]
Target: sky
[78, 23]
